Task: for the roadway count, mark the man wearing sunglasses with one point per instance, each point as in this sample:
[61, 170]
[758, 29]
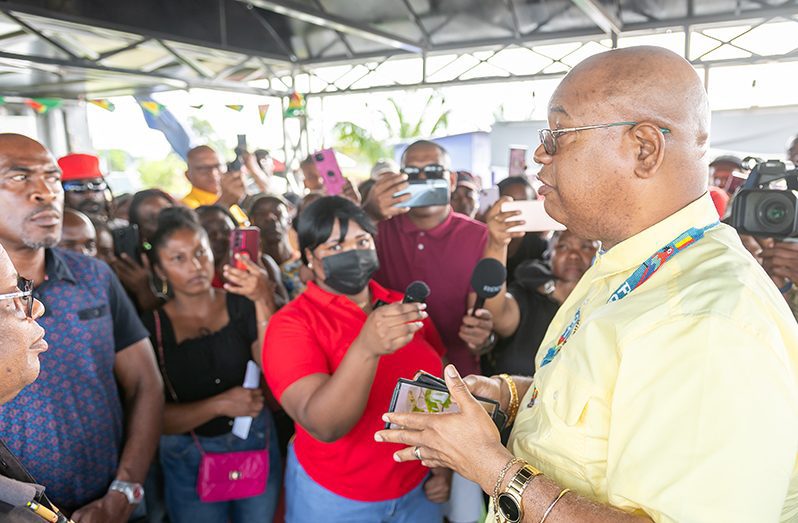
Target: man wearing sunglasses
[89, 426]
[85, 188]
[433, 244]
[666, 385]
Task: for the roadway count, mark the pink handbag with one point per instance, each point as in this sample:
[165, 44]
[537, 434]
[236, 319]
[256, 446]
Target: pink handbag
[223, 476]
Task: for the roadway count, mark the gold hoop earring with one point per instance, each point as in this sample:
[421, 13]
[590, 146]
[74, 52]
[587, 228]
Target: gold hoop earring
[164, 287]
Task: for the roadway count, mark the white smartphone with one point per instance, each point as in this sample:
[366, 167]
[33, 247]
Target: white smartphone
[534, 215]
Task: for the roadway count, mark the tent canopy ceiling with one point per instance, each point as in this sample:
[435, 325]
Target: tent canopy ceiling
[77, 48]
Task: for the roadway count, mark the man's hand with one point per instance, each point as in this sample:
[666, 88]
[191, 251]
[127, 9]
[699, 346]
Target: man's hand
[780, 261]
[438, 487]
[467, 442]
[380, 203]
[475, 330]
[111, 508]
[233, 189]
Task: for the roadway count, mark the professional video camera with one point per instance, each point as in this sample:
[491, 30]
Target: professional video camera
[767, 203]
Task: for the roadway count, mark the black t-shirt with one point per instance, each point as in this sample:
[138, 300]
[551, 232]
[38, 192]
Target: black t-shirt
[200, 368]
[532, 248]
[516, 354]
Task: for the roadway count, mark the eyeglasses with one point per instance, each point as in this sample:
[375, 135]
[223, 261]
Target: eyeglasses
[548, 137]
[78, 186]
[433, 170]
[207, 169]
[24, 295]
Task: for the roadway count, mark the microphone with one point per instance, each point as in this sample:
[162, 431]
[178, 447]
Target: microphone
[416, 292]
[487, 280]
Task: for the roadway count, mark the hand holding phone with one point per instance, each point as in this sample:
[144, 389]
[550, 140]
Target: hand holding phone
[127, 241]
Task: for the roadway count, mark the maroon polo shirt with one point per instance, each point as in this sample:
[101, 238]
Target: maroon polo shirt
[444, 257]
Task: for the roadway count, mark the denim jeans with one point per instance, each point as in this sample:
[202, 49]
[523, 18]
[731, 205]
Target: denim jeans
[308, 502]
[180, 459]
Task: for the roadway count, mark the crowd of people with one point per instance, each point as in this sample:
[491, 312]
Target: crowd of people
[680, 403]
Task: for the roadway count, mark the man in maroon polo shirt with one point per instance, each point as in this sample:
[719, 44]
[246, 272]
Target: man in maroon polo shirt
[435, 245]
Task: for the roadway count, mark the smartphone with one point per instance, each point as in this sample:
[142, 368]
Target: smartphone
[416, 396]
[244, 239]
[127, 241]
[425, 193]
[535, 216]
[517, 165]
[487, 197]
[240, 150]
[331, 176]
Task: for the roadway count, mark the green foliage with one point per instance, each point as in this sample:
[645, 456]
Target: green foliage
[206, 135]
[166, 174]
[357, 142]
[117, 160]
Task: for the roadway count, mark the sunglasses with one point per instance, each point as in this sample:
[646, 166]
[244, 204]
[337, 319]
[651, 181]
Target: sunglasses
[24, 295]
[431, 171]
[548, 137]
[77, 186]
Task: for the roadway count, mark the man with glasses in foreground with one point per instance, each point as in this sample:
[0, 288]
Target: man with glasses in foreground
[665, 387]
[89, 426]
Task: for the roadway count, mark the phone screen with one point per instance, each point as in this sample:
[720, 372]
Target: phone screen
[517, 160]
[425, 193]
[413, 397]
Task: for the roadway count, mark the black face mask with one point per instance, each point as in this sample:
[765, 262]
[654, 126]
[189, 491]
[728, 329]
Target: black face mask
[349, 272]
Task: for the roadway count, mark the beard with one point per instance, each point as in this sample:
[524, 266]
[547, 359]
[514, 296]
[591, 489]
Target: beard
[48, 242]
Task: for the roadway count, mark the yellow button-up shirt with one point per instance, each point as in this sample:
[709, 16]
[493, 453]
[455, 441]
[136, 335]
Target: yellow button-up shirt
[197, 197]
[679, 401]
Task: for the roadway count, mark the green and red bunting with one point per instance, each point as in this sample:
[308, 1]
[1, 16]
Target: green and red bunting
[154, 108]
[296, 105]
[236, 108]
[262, 110]
[42, 105]
[104, 103]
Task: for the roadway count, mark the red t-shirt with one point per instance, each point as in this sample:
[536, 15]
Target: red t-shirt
[311, 335]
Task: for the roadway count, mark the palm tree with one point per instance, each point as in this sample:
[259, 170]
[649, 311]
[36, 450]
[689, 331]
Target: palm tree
[356, 141]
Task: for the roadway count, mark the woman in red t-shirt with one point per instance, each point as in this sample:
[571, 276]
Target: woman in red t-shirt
[332, 357]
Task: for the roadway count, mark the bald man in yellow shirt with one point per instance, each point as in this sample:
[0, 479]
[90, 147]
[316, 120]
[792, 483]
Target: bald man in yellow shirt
[212, 184]
[665, 388]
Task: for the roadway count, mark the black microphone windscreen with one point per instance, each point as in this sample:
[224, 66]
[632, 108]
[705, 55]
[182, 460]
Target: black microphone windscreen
[488, 277]
[416, 292]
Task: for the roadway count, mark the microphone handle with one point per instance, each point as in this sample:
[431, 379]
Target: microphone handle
[478, 305]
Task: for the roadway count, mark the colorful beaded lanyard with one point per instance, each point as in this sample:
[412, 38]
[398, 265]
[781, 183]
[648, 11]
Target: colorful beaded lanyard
[638, 278]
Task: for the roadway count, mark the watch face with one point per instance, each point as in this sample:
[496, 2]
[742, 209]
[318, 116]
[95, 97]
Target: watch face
[509, 508]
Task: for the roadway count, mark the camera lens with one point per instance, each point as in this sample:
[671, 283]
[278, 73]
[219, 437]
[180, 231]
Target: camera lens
[319, 157]
[774, 213]
[331, 174]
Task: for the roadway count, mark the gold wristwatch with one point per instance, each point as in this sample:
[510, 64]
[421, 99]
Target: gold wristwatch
[509, 502]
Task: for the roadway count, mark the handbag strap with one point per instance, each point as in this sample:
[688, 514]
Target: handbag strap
[162, 363]
[168, 382]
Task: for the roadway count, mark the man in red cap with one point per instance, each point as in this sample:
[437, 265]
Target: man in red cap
[85, 189]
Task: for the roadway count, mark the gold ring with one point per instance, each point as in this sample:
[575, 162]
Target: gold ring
[417, 452]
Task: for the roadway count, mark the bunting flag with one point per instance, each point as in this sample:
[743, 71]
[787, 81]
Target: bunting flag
[42, 105]
[262, 110]
[104, 103]
[200, 106]
[2, 100]
[296, 105]
[236, 108]
[152, 107]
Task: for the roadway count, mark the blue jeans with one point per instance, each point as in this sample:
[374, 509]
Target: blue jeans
[308, 502]
[180, 459]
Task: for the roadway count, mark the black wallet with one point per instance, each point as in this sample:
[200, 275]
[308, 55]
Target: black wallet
[428, 393]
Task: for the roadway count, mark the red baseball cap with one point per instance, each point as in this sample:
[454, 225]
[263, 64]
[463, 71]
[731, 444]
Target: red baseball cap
[79, 167]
